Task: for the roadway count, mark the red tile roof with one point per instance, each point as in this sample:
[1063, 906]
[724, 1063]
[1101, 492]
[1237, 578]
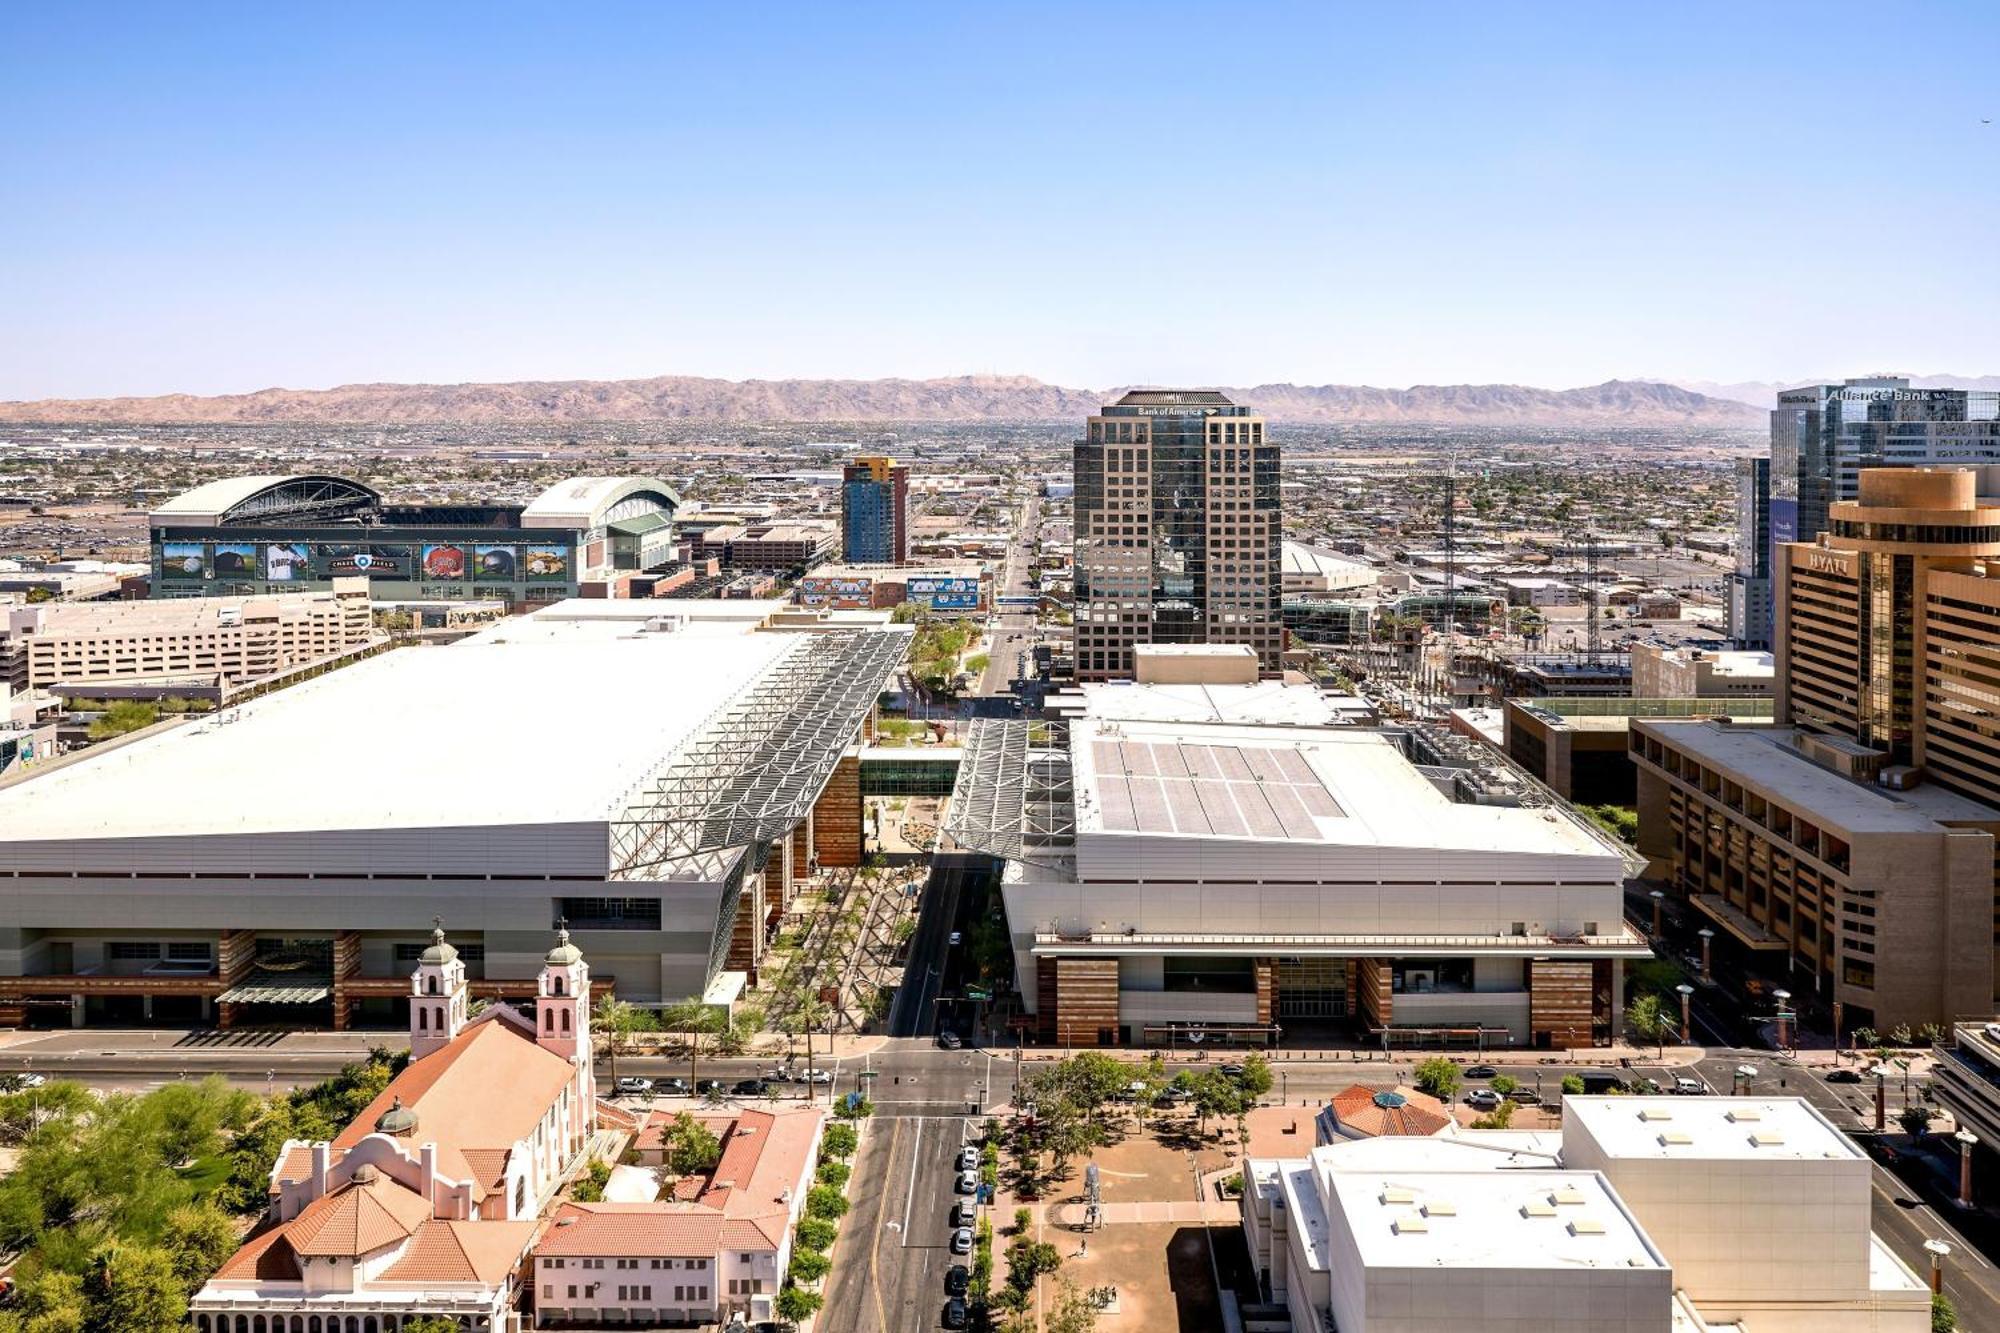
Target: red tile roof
[625, 1229]
[369, 1213]
[457, 1251]
[1378, 1111]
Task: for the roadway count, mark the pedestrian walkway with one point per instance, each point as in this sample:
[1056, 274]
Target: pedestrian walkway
[1069, 1212]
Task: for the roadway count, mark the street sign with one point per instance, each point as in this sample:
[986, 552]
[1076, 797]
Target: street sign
[978, 993]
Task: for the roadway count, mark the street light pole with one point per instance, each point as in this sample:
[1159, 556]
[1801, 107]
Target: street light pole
[1784, 999]
[1686, 993]
[1967, 1141]
[1659, 899]
[1939, 1251]
[1707, 950]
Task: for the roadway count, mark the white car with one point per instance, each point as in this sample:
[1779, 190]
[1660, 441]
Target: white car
[955, 939]
[961, 1241]
[968, 1158]
[1690, 1087]
[968, 1181]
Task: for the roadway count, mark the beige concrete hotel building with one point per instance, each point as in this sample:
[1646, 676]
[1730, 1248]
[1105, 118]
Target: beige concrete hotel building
[1851, 847]
[235, 638]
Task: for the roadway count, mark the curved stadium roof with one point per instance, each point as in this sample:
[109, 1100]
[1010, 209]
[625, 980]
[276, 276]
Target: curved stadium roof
[261, 499]
[588, 502]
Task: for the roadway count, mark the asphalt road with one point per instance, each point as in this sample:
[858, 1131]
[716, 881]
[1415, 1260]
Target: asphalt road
[914, 1011]
[1010, 653]
[894, 1248]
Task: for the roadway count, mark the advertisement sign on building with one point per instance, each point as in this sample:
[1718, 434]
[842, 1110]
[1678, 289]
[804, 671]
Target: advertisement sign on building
[545, 563]
[444, 564]
[183, 560]
[235, 560]
[380, 562]
[493, 564]
[287, 562]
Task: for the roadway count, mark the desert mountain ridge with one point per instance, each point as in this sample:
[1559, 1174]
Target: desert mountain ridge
[965, 398]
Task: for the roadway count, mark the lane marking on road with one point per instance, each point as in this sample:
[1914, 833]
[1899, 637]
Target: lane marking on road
[910, 1196]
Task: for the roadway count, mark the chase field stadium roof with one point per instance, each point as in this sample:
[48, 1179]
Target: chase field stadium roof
[533, 747]
[589, 502]
[292, 497]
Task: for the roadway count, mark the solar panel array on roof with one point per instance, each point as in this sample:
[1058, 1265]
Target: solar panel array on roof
[1221, 790]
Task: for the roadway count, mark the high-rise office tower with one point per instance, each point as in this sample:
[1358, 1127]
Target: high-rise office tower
[1750, 582]
[874, 512]
[1848, 852]
[1823, 435]
[1178, 530]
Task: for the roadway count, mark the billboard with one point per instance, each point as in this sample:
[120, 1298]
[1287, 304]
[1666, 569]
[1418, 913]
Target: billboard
[287, 562]
[444, 563]
[183, 560]
[945, 593]
[235, 560]
[545, 563]
[493, 564]
[380, 562]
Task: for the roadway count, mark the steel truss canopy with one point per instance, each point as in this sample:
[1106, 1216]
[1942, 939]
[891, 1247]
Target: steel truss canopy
[752, 773]
[1012, 799]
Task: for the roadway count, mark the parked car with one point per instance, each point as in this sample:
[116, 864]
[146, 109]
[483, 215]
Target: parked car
[964, 1213]
[955, 939]
[1482, 1099]
[961, 1241]
[1482, 1071]
[750, 1087]
[820, 1076]
[954, 1312]
[1230, 1070]
[633, 1087]
[672, 1087]
[968, 1158]
[957, 1279]
[968, 1181]
[948, 1040]
[708, 1085]
[1843, 1076]
[1525, 1097]
[1690, 1087]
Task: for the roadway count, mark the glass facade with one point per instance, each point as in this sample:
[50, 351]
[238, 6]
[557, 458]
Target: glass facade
[874, 505]
[1178, 529]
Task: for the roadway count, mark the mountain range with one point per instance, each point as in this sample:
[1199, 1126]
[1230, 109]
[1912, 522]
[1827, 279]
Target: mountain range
[964, 398]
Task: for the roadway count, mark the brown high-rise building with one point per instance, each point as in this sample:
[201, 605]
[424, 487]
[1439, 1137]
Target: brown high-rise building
[1849, 851]
[1178, 530]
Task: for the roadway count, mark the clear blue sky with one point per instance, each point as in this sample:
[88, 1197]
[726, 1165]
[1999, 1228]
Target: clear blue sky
[212, 198]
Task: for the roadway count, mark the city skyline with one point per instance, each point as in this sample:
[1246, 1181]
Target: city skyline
[1559, 197]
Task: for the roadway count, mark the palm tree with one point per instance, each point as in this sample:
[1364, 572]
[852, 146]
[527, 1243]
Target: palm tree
[697, 1019]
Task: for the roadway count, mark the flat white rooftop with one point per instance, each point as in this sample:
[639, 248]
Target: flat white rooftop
[521, 728]
[1708, 1128]
[1327, 786]
[1503, 1220]
[1268, 703]
[1767, 758]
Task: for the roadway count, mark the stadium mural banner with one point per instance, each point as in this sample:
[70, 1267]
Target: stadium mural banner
[545, 563]
[287, 562]
[235, 560]
[183, 560]
[379, 562]
[493, 564]
[444, 564]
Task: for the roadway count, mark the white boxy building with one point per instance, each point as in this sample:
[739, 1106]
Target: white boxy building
[1645, 1215]
[1228, 859]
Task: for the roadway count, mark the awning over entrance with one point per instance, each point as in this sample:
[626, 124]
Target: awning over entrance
[1725, 914]
[264, 986]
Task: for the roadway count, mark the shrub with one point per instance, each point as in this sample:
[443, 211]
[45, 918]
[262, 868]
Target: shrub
[815, 1233]
[825, 1201]
[840, 1142]
[1572, 1085]
[833, 1174]
[1439, 1077]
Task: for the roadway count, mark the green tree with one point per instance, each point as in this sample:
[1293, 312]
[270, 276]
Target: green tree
[431, 1324]
[1572, 1085]
[832, 1173]
[796, 1305]
[199, 1237]
[122, 716]
[825, 1201]
[1504, 1083]
[1915, 1120]
[688, 1146]
[1439, 1077]
[1256, 1078]
[620, 1024]
[1074, 1310]
[1647, 1019]
[1944, 1316]
[839, 1141]
[694, 1020]
[1215, 1095]
[1028, 1260]
[1500, 1117]
[815, 1233]
[809, 1265]
[589, 1187]
[138, 1291]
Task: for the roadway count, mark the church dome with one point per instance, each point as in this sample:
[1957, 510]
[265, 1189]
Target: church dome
[564, 954]
[398, 1120]
[439, 953]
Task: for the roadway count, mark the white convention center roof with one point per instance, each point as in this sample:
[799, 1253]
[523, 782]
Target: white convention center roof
[541, 729]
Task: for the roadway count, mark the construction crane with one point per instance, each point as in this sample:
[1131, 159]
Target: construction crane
[1587, 538]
